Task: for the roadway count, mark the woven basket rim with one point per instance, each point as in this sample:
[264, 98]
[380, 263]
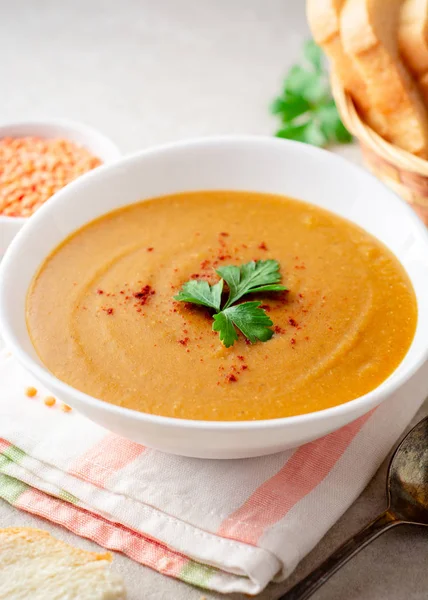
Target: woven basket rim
[369, 138]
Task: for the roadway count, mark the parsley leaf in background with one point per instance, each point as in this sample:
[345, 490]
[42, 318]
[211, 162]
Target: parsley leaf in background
[248, 317]
[306, 108]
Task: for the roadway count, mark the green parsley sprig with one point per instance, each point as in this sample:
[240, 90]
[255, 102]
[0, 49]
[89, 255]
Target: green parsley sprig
[306, 107]
[248, 317]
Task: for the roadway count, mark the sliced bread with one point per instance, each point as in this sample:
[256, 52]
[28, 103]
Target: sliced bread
[369, 36]
[324, 21]
[413, 40]
[35, 565]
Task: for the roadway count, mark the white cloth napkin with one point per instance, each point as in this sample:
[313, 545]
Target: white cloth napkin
[231, 526]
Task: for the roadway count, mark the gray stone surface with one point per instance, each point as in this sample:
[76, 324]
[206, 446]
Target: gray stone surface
[151, 71]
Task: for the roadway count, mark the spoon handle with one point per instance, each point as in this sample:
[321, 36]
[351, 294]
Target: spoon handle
[305, 588]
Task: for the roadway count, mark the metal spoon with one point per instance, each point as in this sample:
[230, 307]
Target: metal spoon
[407, 491]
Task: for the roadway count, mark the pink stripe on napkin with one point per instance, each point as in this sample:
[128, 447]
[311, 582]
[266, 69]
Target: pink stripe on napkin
[306, 468]
[4, 444]
[105, 458]
[112, 536]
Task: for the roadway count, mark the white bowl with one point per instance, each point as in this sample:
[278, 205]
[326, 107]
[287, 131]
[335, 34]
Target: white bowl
[235, 163]
[90, 138]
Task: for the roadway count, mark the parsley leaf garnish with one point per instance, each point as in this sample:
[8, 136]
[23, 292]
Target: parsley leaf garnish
[248, 317]
[200, 292]
[306, 107]
[255, 276]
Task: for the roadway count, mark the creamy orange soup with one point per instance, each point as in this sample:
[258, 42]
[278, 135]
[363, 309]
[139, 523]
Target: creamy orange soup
[102, 316]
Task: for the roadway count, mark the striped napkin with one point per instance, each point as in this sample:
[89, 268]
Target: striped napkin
[230, 526]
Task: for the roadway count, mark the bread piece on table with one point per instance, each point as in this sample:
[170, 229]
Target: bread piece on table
[413, 40]
[324, 21]
[34, 565]
[369, 36]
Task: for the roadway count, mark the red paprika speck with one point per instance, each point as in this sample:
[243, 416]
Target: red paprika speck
[231, 378]
[224, 256]
[306, 337]
[292, 322]
[244, 367]
[122, 291]
[224, 234]
[278, 329]
[184, 341]
[247, 341]
[150, 249]
[265, 307]
[100, 292]
[293, 342]
[262, 246]
[144, 295]
[301, 296]
[109, 311]
[205, 264]
[241, 357]
[195, 276]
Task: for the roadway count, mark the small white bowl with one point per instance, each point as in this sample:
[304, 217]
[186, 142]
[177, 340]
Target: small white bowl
[97, 143]
[235, 163]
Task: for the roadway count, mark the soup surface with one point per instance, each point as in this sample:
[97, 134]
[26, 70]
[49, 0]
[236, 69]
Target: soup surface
[102, 316]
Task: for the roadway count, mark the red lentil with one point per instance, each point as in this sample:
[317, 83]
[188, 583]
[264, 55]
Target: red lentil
[32, 169]
[49, 401]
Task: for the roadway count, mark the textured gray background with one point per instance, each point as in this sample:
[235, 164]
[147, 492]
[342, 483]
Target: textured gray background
[151, 71]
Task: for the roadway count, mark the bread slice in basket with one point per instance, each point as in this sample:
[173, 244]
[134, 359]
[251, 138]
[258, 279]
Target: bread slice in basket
[324, 21]
[413, 40]
[35, 565]
[369, 33]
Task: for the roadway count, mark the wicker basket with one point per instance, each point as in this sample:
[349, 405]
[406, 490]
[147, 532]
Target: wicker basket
[406, 174]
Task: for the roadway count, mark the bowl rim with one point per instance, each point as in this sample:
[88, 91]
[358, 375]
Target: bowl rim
[66, 124]
[369, 400]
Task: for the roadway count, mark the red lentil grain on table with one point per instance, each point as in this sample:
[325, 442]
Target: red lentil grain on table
[32, 169]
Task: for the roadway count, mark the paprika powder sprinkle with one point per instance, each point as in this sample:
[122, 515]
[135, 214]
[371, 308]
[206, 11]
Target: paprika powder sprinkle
[144, 295]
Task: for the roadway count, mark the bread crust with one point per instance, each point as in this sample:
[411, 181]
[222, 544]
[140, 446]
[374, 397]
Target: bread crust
[33, 535]
[324, 21]
[369, 37]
